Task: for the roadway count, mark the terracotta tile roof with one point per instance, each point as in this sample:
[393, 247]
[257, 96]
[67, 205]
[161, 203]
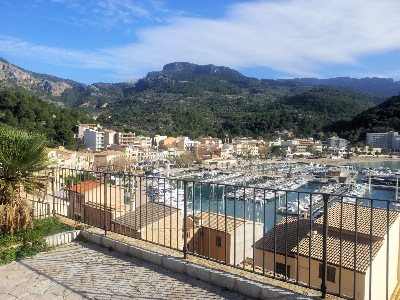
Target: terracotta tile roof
[291, 230]
[285, 233]
[217, 222]
[97, 205]
[348, 243]
[148, 213]
[379, 219]
[84, 186]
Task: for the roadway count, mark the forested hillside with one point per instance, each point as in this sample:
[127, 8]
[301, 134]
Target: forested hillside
[186, 99]
[381, 118]
[21, 110]
[182, 99]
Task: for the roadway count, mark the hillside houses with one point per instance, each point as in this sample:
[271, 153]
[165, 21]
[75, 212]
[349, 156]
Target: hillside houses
[102, 147]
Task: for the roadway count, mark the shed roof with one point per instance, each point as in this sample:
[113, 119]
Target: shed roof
[145, 215]
[217, 221]
[84, 186]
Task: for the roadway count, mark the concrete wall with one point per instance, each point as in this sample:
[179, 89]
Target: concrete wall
[206, 244]
[268, 262]
[347, 278]
[245, 240]
[95, 215]
[379, 266]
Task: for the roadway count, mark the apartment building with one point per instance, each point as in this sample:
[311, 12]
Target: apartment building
[388, 140]
[210, 142]
[82, 127]
[125, 138]
[94, 140]
[103, 161]
[109, 138]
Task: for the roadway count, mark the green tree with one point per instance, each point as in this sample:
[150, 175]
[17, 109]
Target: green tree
[22, 156]
[277, 151]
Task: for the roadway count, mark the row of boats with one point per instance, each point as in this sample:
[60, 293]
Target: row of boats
[259, 189]
[161, 191]
[313, 203]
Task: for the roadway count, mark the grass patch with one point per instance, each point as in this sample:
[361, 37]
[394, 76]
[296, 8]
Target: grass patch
[41, 228]
[16, 253]
[27, 243]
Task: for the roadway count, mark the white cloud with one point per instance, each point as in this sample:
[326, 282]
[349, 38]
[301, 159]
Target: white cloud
[294, 37]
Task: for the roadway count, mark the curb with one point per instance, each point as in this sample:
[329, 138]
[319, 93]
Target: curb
[62, 238]
[232, 282]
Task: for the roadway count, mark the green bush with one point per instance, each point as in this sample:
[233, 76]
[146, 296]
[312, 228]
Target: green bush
[41, 228]
[30, 242]
[22, 251]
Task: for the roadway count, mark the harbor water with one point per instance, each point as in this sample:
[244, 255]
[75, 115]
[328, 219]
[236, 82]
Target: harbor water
[246, 200]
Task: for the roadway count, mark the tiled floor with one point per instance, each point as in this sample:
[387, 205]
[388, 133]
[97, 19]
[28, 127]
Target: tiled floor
[86, 271]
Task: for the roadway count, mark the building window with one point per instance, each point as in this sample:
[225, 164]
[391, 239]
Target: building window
[330, 273]
[280, 269]
[218, 241]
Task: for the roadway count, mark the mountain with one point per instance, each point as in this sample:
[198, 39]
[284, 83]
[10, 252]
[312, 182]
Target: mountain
[61, 91]
[383, 87]
[194, 100]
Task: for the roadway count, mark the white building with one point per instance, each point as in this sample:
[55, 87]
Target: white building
[94, 140]
[337, 142]
[83, 127]
[186, 143]
[142, 141]
[389, 140]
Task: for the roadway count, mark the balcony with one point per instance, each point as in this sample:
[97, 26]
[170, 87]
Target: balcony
[323, 241]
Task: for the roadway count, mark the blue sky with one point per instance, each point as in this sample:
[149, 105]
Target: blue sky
[117, 40]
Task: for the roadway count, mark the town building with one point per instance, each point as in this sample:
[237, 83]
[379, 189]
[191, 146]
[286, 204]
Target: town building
[62, 157]
[336, 142]
[82, 127]
[186, 144]
[221, 237]
[210, 142]
[350, 245]
[109, 138]
[388, 140]
[103, 161]
[125, 138]
[94, 140]
[153, 222]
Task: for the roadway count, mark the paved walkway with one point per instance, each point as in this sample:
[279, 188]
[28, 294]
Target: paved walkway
[86, 271]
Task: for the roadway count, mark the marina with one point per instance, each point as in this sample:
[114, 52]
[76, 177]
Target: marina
[268, 193]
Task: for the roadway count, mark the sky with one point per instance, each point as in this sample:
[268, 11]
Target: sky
[114, 41]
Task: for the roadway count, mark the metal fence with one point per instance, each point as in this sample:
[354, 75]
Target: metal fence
[342, 244]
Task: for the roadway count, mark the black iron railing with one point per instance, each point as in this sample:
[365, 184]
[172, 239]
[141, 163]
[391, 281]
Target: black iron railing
[344, 245]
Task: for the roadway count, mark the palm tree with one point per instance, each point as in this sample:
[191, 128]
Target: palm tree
[22, 156]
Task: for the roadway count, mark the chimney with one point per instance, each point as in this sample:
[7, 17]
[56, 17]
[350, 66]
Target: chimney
[133, 205]
[313, 233]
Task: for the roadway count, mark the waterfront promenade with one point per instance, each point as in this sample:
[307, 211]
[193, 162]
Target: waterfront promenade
[86, 271]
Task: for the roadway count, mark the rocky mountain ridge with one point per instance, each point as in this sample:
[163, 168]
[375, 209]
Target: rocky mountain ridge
[27, 80]
[384, 87]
